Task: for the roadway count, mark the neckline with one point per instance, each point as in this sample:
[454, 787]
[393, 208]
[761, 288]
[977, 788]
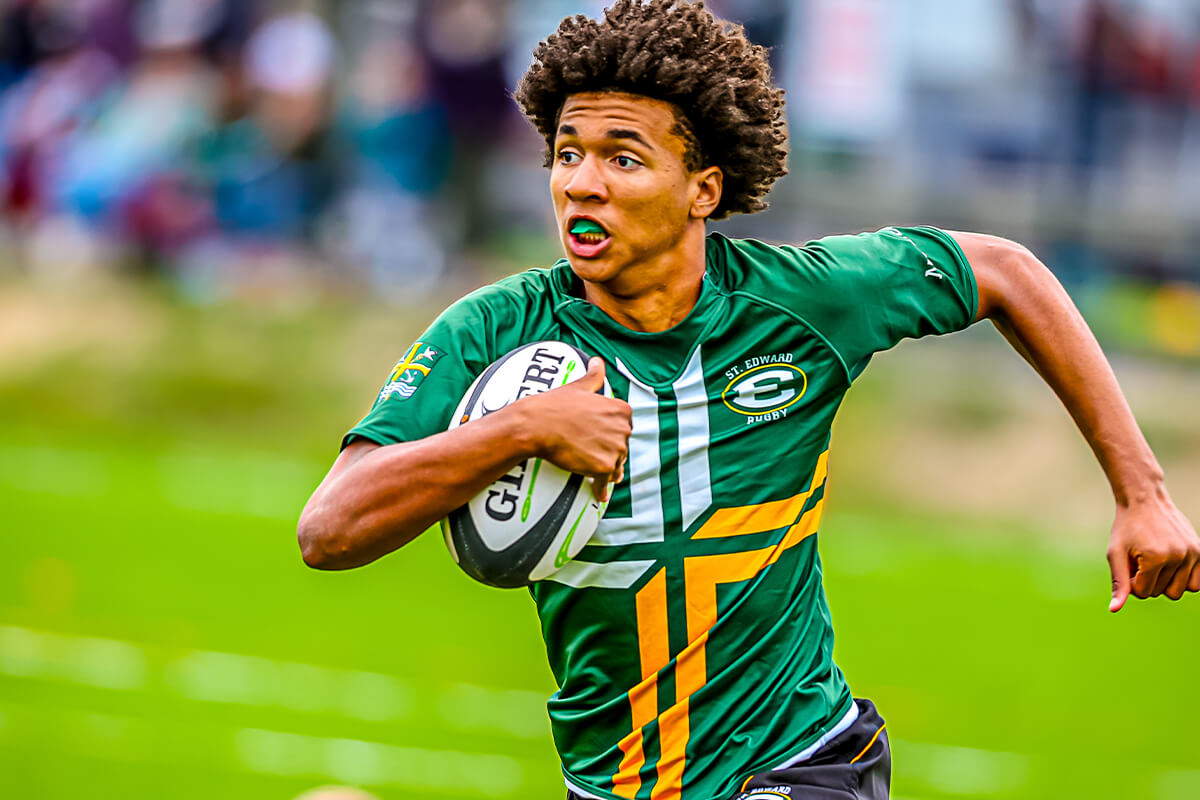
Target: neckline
[654, 358]
[567, 288]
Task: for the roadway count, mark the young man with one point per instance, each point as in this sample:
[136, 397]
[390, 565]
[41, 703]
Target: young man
[690, 639]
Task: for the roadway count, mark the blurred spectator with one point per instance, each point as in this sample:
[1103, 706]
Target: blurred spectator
[1105, 74]
[55, 96]
[236, 142]
[271, 169]
[397, 157]
[123, 173]
[466, 43]
[18, 40]
[1188, 193]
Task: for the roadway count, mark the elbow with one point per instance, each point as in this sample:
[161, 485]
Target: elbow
[317, 542]
[1006, 273]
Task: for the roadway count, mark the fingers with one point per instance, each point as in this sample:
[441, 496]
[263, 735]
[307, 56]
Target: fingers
[1178, 583]
[1171, 576]
[600, 487]
[602, 484]
[1146, 577]
[1118, 565]
[1194, 583]
[593, 381]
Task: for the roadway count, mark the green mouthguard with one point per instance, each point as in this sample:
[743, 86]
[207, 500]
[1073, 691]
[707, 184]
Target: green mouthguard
[586, 226]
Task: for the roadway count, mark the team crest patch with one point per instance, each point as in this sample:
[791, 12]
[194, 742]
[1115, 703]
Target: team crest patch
[410, 371]
[764, 388]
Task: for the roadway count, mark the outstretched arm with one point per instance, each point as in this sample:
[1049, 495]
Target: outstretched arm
[1153, 548]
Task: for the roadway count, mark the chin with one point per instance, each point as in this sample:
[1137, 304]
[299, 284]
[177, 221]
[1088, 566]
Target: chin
[592, 270]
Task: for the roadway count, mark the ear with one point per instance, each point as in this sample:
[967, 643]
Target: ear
[707, 185]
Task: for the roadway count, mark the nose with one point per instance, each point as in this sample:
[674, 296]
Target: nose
[586, 181]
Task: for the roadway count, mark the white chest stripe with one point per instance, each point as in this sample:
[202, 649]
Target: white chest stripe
[645, 486]
[695, 485]
[645, 524]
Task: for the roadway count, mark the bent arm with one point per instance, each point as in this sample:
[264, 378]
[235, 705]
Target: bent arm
[376, 498]
[1031, 309]
[1154, 549]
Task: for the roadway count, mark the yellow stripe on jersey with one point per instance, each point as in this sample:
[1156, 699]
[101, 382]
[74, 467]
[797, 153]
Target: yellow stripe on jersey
[702, 575]
[673, 733]
[654, 653]
[762, 517]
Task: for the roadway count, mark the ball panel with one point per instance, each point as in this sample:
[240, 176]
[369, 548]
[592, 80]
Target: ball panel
[532, 520]
[584, 517]
[513, 565]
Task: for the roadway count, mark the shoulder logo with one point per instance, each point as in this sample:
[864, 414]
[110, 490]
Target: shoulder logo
[765, 388]
[409, 371]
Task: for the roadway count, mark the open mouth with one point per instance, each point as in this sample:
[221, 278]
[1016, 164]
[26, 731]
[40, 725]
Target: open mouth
[587, 231]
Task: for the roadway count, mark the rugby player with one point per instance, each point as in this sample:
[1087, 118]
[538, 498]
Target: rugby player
[691, 640]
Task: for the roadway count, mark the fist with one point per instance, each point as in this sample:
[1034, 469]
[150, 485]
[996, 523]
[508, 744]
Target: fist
[577, 428]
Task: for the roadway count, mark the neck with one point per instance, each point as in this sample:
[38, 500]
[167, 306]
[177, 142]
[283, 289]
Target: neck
[657, 294]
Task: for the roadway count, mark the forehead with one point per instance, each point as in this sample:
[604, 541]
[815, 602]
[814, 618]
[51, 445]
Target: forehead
[598, 112]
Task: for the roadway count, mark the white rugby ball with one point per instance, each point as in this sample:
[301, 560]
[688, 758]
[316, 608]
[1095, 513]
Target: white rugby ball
[537, 517]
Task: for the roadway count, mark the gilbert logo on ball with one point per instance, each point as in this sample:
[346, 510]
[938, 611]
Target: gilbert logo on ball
[537, 517]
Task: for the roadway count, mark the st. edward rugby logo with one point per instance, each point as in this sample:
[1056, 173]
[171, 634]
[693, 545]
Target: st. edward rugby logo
[763, 388]
[410, 371]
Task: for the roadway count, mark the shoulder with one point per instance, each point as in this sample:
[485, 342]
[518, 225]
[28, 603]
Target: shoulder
[824, 270]
[515, 300]
[776, 274]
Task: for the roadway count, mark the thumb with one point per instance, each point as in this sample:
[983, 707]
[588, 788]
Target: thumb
[1118, 564]
[593, 381]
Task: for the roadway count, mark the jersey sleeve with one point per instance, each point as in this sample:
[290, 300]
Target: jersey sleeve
[424, 387]
[876, 289]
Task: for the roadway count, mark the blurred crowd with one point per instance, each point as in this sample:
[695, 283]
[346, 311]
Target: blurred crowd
[228, 144]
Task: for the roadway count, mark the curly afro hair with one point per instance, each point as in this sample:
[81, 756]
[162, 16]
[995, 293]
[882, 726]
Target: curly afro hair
[728, 113]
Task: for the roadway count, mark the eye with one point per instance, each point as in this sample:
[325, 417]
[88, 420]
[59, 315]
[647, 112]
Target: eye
[626, 162]
[568, 157]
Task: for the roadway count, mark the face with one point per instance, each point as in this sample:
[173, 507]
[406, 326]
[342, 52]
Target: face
[623, 196]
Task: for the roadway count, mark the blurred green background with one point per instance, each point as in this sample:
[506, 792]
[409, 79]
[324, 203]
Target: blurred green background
[160, 636]
[222, 221]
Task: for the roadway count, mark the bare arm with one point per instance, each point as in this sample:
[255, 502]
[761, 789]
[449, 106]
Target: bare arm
[376, 499]
[1153, 548]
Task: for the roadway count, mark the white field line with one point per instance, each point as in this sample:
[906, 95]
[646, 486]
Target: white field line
[128, 739]
[214, 677]
[966, 771]
[358, 762]
[1178, 783]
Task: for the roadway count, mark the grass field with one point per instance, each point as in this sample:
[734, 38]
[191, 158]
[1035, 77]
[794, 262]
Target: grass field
[160, 637]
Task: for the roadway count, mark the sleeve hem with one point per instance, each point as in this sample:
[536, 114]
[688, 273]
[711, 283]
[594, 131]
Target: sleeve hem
[369, 434]
[973, 287]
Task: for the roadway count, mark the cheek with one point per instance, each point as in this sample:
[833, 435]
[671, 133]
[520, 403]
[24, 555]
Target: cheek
[666, 208]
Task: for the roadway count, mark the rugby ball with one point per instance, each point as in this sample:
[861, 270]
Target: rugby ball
[537, 517]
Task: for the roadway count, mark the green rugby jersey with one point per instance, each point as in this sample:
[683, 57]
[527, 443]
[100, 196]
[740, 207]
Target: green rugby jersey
[690, 639]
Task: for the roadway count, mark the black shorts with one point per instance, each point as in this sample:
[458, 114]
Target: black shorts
[855, 765]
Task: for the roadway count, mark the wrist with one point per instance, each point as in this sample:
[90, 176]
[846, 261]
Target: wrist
[1148, 488]
[522, 430]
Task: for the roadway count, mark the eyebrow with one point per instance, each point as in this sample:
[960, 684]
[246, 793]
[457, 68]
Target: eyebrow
[612, 133]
